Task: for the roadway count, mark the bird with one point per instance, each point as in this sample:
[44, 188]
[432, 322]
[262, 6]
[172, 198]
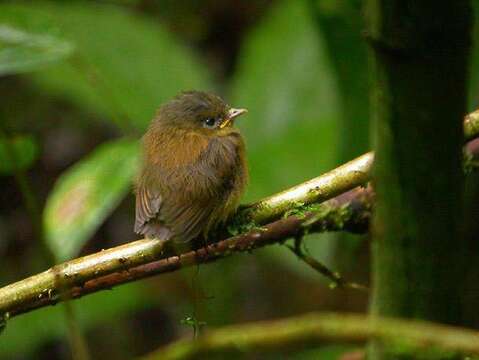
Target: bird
[193, 171]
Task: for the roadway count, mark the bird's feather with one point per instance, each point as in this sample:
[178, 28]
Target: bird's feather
[188, 180]
[170, 201]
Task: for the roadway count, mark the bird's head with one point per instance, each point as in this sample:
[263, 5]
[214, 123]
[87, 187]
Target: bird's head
[198, 111]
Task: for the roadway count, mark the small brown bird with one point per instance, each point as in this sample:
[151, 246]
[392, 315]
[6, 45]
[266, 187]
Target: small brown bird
[194, 168]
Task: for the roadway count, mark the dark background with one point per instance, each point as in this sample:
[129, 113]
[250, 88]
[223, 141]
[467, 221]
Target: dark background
[79, 82]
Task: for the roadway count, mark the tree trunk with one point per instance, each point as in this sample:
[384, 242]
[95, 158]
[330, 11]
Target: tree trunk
[419, 91]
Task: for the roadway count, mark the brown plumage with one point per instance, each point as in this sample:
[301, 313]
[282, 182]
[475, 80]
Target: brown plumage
[194, 169]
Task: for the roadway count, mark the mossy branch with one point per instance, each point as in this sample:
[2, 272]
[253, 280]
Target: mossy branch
[130, 262]
[405, 336]
[139, 259]
[343, 178]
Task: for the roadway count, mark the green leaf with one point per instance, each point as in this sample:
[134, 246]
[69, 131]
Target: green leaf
[285, 80]
[287, 83]
[86, 194]
[21, 51]
[126, 64]
[284, 77]
[17, 153]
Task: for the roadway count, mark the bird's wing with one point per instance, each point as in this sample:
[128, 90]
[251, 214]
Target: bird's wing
[148, 205]
[187, 220]
[184, 217]
[194, 208]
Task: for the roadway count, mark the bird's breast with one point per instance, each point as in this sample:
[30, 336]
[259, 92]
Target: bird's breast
[170, 150]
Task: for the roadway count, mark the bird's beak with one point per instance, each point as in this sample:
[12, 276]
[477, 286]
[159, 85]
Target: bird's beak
[232, 114]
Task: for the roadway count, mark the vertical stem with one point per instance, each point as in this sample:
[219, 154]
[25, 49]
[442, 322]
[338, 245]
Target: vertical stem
[420, 58]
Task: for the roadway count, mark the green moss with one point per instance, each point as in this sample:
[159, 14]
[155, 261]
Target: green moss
[295, 208]
[241, 224]
[334, 215]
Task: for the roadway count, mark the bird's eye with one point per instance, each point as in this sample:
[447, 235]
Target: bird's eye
[209, 122]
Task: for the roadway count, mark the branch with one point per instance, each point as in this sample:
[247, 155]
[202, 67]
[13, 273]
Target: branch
[142, 258]
[346, 177]
[410, 336]
[350, 212]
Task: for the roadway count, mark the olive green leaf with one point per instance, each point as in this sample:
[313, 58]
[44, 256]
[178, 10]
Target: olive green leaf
[125, 65]
[21, 51]
[86, 194]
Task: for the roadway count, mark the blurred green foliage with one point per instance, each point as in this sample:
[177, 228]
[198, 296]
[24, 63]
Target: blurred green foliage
[21, 51]
[342, 26]
[17, 153]
[86, 194]
[118, 63]
[24, 334]
[125, 64]
[284, 78]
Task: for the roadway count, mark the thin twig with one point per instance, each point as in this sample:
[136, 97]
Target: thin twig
[337, 281]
